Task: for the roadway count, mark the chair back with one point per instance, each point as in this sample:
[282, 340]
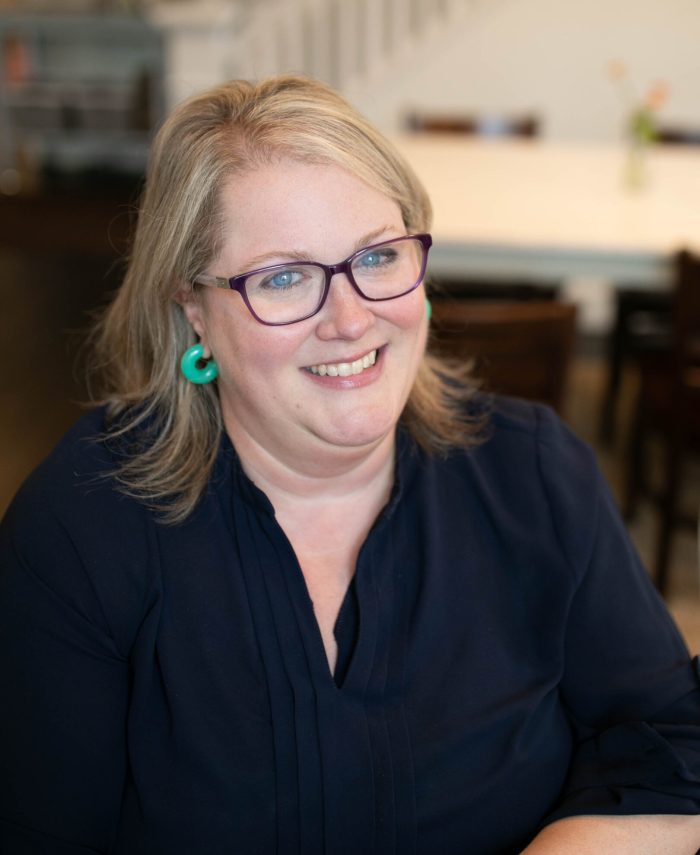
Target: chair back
[686, 320]
[526, 125]
[520, 349]
[668, 405]
[488, 291]
[677, 135]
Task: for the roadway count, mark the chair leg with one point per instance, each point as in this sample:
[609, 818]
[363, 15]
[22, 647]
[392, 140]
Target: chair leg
[635, 480]
[616, 349]
[669, 509]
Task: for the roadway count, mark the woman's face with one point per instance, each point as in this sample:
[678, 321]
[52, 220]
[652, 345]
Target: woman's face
[269, 393]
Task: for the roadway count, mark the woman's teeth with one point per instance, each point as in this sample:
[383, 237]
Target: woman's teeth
[345, 369]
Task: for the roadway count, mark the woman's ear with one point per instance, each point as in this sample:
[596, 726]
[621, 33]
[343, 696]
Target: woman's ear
[186, 298]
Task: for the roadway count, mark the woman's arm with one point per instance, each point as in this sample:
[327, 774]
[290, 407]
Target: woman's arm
[619, 835]
[630, 689]
[64, 688]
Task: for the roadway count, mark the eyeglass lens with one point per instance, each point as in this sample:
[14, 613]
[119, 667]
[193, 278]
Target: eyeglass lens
[293, 291]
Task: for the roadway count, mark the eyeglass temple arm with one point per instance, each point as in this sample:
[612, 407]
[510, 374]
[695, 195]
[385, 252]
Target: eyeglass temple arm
[214, 281]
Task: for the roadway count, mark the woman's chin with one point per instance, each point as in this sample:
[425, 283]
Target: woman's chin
[357, 433]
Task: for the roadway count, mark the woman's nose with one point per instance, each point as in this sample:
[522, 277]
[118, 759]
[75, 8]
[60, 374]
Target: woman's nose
[345, 314]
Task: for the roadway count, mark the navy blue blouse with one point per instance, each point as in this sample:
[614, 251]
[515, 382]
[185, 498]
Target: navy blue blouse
[504, 661]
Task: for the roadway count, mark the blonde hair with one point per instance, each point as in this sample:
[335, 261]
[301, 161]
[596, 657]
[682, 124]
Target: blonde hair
[138, 342]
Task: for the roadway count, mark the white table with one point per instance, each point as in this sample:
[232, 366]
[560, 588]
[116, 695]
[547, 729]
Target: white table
[540, 210]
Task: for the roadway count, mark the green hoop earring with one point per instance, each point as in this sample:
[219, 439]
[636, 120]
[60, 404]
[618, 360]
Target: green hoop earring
[428, 308]
[188, 366]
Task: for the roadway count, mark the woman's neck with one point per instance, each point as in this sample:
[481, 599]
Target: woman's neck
[326, 510]
[328, 475]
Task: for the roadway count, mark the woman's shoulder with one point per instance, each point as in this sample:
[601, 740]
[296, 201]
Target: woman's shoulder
[80, 462]
[527, 451]
[527, 427]
[532, 461]
[528, 444]
[517, 415]
[74, 489]
[518, 447]
[70, 531]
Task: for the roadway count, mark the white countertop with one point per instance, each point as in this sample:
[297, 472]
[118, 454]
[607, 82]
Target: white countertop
[535, 208]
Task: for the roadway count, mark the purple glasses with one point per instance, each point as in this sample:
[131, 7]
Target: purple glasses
[296, 290]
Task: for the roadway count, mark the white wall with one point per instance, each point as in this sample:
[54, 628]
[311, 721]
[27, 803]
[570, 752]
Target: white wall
[548, 56]
[551, 56]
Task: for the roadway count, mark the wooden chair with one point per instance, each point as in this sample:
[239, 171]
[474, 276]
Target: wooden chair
[669, 406]
[641, 326]
[642, 318]
[520, 349]
[526, 125]
[488, 291]
[678, 135]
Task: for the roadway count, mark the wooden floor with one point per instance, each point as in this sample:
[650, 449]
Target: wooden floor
[45, 309]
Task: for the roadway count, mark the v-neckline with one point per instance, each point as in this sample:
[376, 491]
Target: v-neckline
[373, 606]
[346, 632]
[330, 739]
[359, 658]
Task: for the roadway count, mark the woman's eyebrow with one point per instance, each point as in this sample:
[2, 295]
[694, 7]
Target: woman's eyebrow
[374, 236]
[281, 256]
[274, 257]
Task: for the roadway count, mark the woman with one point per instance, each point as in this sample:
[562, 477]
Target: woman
[294, 588]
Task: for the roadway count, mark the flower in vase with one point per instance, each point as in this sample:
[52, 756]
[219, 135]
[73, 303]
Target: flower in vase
[640, 124]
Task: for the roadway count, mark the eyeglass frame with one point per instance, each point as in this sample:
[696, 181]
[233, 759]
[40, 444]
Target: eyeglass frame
[237, 283]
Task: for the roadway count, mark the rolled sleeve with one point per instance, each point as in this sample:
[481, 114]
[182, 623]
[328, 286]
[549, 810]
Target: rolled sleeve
[629, 685]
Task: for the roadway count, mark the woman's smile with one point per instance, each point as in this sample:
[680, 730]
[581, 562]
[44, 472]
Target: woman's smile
[345, 368]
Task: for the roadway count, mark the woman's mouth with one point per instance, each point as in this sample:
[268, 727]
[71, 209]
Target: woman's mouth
[344, 369]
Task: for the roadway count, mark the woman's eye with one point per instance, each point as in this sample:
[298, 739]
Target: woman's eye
[281, 279]
[376, 258]
[370, 260]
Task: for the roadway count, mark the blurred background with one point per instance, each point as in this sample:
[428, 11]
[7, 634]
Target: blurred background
[518, 99]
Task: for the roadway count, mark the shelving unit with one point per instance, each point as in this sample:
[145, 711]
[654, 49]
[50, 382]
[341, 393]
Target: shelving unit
[79, 98]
